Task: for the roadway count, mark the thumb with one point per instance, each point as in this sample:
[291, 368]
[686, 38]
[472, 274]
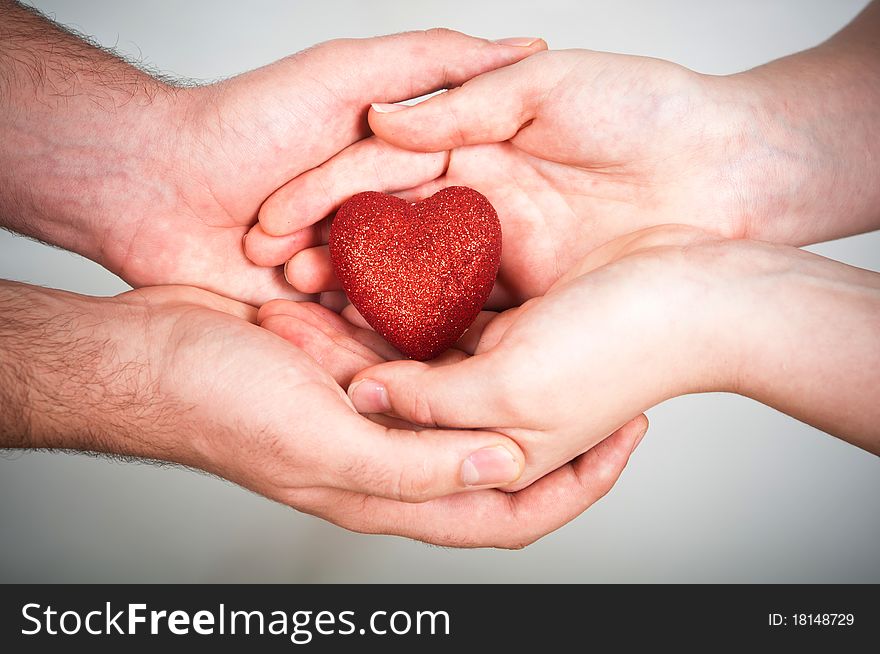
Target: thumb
[487, 109]
[417, 466]
[472, 392]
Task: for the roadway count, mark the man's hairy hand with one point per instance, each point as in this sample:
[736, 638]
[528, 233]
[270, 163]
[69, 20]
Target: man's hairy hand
[182, 375]
[160, 183]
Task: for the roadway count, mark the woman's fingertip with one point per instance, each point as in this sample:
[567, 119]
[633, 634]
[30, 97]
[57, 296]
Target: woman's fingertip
[387, 108]
[369, 396]
[518, 41]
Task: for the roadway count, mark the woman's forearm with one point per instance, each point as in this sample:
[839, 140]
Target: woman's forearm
[814, 121]
[806, 332]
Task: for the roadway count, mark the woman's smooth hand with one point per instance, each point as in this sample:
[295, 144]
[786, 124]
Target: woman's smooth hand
[664, 312]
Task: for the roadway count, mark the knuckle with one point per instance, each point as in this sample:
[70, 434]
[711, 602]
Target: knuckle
[331, 45]
[509, 399]
[403, 481]
[272, 308]
[325, 52]
[456, 120]
[540, 58]
[518, 540]
[512, 543]
[358, 517]
[415, 484]
[421, 411]
[606, 477]
[517, 545]
[441, 33]
[361, 475]
[603, 475]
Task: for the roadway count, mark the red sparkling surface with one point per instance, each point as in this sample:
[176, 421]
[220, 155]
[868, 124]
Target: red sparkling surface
[419, 273]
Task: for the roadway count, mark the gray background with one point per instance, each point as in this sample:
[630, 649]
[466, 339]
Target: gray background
[722, 488]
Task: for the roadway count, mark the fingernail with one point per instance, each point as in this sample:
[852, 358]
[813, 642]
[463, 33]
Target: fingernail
[491, 465]
[244, 241]
[369, 396]
[519, 41]
[284, 269]
[384, 108]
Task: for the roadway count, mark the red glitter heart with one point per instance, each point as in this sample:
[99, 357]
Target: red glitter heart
[420, 272]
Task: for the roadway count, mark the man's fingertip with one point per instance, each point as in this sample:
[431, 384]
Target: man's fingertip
[491, 466]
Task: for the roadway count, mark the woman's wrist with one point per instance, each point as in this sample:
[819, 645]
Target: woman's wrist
[701, 330]
[794, 331]
[814, 351]
[799, 145]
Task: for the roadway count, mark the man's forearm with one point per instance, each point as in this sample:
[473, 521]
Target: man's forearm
[81, 136]
[68, 379]
[815, 119]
